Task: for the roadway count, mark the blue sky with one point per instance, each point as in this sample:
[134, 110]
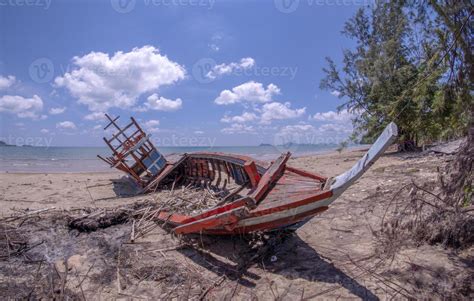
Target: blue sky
[193, 72]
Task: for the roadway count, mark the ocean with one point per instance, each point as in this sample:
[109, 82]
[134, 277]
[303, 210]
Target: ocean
[84, 159]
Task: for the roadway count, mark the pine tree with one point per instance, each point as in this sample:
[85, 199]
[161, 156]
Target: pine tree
[400, 71]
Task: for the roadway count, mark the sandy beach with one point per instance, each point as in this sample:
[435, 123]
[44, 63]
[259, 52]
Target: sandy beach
[333, 256]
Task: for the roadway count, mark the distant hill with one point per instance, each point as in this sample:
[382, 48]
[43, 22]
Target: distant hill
[5, 144]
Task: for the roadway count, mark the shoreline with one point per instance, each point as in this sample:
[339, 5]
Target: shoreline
[98, 189]
[327, 152]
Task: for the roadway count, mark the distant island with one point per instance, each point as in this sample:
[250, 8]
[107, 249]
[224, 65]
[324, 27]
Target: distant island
[265, 144]
[2, 143]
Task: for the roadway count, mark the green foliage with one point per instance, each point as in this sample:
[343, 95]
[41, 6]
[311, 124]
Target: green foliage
[342, 146]
[399, 71]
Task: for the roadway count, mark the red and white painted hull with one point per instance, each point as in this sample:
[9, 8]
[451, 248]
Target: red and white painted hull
[276, 195]
[283, 197]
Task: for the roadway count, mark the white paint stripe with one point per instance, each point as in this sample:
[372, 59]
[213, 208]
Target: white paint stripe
[286, 213]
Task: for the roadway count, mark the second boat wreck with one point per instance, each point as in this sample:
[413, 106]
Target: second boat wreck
[255, 196]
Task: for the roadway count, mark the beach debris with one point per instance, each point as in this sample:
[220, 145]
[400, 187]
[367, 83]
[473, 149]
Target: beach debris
[227, 193]
[447, 148]
[12, 241]
[99, 220]
[416, 214]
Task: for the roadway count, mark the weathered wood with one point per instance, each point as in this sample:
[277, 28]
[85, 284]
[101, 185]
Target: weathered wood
[269, 178]
[226, 218]
[252, 173]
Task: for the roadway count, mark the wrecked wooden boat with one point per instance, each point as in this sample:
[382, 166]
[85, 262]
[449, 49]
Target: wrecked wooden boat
[260, 196]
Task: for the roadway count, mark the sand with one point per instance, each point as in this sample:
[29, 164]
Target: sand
[332, 256]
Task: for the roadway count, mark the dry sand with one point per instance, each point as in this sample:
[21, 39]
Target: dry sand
[331, 257]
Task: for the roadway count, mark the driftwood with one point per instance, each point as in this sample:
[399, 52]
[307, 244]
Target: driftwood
[104, 220]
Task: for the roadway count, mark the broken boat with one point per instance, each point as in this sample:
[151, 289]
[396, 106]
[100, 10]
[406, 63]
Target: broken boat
[264, 196]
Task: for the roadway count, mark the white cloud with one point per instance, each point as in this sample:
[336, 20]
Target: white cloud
[214, 47]
[57, 111]
[154, 102]
[279, 111]
[97, 127]
[198, 132]
[337, 128]
[152, 123]
[247, 62]
[342, 116]
[238, 128]
[101, 81]
[297, 128]
[245, 117]
[298, 133]
[152, 126]
[6, 81]
[21, 106]
[95, 116]
[336, 93]
[248, 92]
[66, 125]
[44, 131]
[223, 69]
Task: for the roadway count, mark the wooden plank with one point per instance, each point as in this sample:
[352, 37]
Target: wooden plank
[165, 172]
[306, 174]
[219, 220]
[252, 173]
[111, 121]
[121, 132]
[218, 172]
[273, 173]
[270, 208]
[268, 226]
[340, 183]
[245, 201]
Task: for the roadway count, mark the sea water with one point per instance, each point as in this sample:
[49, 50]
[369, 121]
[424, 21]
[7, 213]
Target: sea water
[84, 159]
